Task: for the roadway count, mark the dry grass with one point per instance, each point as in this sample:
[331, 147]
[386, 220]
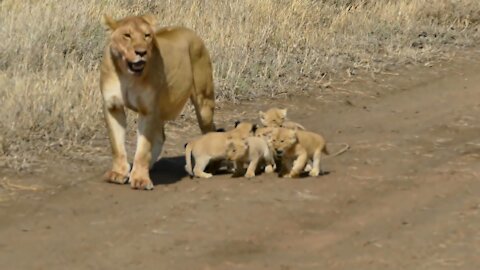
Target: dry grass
[51, 49]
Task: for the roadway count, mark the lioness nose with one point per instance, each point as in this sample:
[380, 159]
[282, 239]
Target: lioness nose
[141, 53]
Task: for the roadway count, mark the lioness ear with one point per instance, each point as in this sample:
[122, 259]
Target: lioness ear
[236, 123]
[254, 128]
[110, 23]
[283, 113]
[150, 19]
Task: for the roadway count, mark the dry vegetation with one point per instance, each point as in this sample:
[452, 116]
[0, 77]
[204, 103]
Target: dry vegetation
[51, 49]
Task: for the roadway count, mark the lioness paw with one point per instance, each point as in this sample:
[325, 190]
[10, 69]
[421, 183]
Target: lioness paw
[141, 183]
[116, 177]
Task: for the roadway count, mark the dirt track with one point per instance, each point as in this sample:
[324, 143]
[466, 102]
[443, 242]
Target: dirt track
[406, 196]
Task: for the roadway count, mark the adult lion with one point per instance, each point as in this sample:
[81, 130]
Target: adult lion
[153, 73]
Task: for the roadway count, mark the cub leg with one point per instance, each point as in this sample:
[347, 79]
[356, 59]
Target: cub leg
[315, 171]
[285, 166]
[238, 168]
[298, 165]
[200, 165]
[252, 166]
[116, 124]
[269, 164]
[140, 178]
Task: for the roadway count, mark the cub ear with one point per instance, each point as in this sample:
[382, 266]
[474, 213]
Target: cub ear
[109, 22]
[150, 19]
[283, 113]
[236, 123]
[293, 133]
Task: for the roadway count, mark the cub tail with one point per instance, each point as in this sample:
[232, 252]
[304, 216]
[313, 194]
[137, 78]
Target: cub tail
[344, 149]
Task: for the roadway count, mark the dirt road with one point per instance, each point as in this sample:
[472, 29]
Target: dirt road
[406, 196]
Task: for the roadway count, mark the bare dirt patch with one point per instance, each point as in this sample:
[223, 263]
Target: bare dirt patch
[404, 197]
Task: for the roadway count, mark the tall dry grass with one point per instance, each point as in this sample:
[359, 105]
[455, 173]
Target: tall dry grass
[51, 49]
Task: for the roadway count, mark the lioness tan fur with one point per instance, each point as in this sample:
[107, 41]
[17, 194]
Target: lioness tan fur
[213, 146]
[276, 117]
[153, 73]
[253, 150]
[297, 147]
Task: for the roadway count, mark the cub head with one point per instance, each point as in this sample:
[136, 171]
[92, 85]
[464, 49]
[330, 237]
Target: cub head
[236, 149]
[244, 129]
[274, 117]
[283, 139]
[264, 132]
[131, 42]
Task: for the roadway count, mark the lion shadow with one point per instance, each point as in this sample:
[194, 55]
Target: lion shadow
[168, 170]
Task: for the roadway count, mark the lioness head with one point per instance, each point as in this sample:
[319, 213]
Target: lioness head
[131, 42]
[274, 117]
[237, 149]
[283, 139]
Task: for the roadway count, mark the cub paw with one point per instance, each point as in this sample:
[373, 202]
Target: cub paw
[249, 174]
[269, 169]
[314, 172]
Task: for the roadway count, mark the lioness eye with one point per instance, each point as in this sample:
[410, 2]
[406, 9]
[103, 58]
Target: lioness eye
[127, 35]
[147, 35]
[281, 141]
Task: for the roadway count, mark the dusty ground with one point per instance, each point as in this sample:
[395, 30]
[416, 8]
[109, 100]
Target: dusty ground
[406, 196]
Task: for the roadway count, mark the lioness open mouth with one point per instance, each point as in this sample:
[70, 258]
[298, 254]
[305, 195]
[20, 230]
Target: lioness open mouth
[136, 67]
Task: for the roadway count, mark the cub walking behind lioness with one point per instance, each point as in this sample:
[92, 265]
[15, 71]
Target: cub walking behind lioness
[253, 150]
[213, 147]
[154, 73]
[275, 117]
[297, 147]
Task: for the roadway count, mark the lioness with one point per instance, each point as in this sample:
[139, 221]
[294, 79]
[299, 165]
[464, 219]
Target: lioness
[276, 117]
[297, 147]
[213, 147]
[154, 73]
[252, 150]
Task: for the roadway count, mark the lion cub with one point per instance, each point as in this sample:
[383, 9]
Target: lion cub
[276, 117]
[297, 147]
[252, 150]
[213, 146]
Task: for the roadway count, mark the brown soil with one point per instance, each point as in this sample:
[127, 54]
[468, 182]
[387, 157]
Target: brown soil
[406, 196]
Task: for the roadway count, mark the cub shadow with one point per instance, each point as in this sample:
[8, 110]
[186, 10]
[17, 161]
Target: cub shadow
[168, 170]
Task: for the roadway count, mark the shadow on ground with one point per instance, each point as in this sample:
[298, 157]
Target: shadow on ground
[168, 170]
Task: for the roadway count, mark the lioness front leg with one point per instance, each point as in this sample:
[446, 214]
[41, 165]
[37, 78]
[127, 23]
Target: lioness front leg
[158, 141]
[298, 166]
[116, 123]
[140, 178]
